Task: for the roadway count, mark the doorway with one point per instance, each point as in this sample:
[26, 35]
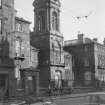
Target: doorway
[32, 85]
[58, 79]
[4, 85]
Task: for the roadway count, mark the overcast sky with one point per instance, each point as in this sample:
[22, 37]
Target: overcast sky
[92, 27]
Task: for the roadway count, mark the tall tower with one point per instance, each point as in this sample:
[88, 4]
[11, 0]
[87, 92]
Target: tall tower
[48, 39]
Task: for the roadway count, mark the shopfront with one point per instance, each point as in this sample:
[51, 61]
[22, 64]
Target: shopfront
[4, 85]
[30, 82]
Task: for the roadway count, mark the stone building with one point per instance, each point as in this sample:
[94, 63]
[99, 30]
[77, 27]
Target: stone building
[26, 57]
[49, 40]
[6, 59]
[28, 65]
[88, 61]
[18, 71]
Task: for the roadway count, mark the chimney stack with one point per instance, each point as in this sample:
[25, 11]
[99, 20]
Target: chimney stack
[104, 41]
[80, 37]
[95, 40]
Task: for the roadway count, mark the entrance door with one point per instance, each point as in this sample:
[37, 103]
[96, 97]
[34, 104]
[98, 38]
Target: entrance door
[58, 80]
[31, 85]
[3, 85]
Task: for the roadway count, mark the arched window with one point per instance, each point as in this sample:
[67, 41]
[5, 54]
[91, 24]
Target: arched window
[55, 21]
[58, 79]
[41, 21]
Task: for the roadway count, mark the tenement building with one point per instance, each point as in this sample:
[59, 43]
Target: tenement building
[88, 61]
[49, 40]
[18, 59]
[6, 59]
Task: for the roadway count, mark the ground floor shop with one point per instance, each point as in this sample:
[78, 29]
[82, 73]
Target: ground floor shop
[10, 86]
[30, 82]
[7, 82]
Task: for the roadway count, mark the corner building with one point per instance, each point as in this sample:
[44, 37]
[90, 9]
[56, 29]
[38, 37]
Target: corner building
[6, 59]
[48, 39]
[18, 70]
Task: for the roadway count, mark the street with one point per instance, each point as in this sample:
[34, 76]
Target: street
[97, 98]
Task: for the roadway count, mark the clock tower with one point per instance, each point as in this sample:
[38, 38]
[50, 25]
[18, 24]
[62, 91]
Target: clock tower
[48, 39]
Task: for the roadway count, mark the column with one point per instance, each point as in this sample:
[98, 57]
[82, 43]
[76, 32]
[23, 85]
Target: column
[37, 83]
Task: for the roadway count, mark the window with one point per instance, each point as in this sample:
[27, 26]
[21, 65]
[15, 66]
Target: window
[0, 3]
[58, 57]
[53, 55]
[18, 46]
[86, 48]
[101, 61]
[67, 60]
[41, 21]
[18, 27]
[87, 77]
[86, 62]
[73, 61]
[54, 21]
[34, 58]
[0, 26]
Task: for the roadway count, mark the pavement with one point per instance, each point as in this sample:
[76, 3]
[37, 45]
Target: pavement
[44, 103]
[72, 99]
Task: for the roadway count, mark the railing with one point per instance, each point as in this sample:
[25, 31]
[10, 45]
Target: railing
[54, 91]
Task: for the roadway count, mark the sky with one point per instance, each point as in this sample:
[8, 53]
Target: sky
[92, 27]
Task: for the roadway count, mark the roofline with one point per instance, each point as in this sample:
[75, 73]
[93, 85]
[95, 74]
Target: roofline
[79, 44]
[23, 20]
